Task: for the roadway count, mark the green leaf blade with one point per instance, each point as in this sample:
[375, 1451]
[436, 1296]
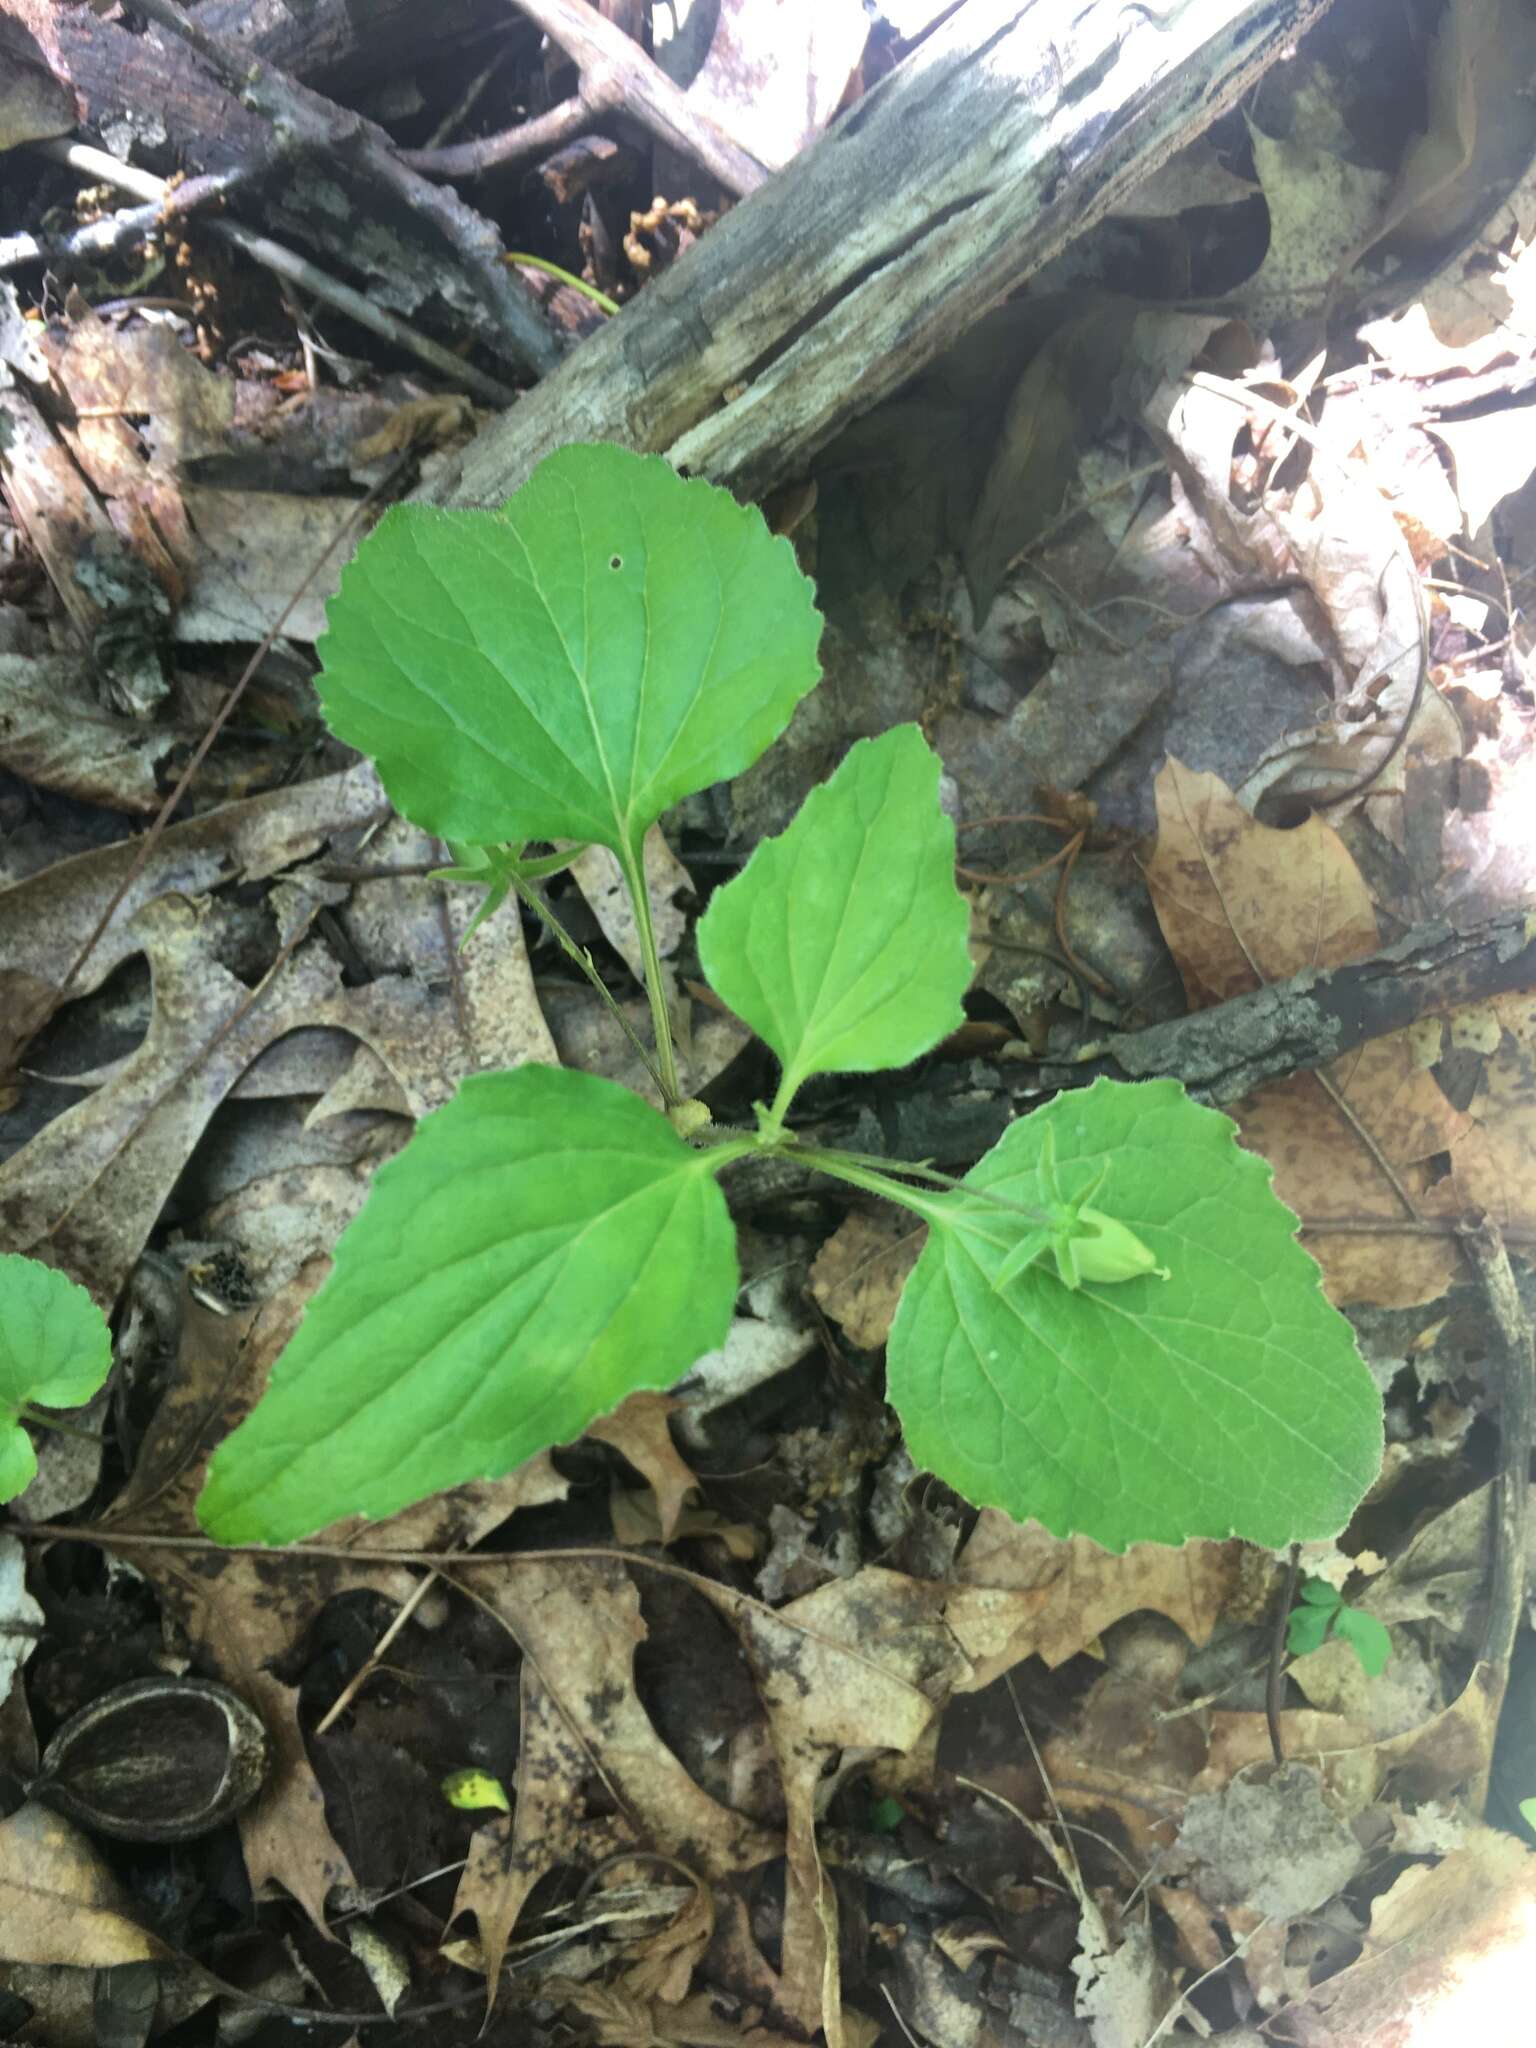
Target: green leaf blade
[55, 1352]
[1229, 1399]
[544, 1246]
[1367, 1637]
[55, 1348]
[18, 1460]
[843, 941]
[1307, 1629]
[609, 641]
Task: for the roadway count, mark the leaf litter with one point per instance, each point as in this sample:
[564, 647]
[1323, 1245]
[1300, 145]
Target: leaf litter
[1254, 618]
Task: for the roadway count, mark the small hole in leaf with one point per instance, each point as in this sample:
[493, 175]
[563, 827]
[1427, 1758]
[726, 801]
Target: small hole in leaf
[615, 561]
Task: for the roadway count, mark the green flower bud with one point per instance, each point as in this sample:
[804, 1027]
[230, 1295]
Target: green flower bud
[1106, 1251]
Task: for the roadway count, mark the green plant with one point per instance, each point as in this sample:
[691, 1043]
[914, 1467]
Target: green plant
[55, 1352]
[1320, 1612]
[1155, 1364]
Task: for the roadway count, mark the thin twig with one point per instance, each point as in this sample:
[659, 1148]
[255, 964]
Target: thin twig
[468, 100]
[544, 133]
[361, 1676]
[133, 224]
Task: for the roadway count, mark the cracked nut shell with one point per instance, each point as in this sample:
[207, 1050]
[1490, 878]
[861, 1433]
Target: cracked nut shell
[156, 1760]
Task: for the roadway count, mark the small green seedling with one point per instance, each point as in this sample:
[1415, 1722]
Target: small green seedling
[1528, 1813]
[1320, 1613]
[886, 1815]
[1111, 1329]
[55, 1352]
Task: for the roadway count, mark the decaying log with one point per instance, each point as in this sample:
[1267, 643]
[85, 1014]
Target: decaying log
[1018, 124]
[334, 183]
[154, 90]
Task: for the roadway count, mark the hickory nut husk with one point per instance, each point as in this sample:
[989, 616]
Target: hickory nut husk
[156, 1760]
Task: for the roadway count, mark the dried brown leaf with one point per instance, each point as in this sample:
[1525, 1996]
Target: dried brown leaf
[1447, 1959]
[1022, 1592]
[58, 1901]
[1242, 905]
[664, 1968]
[246, 1611]
[90, 1186]
[638, 1430]
[578, 1625]
[623, 2020]
[45, 920]
[860, 1271]
[56, 733]
[549, 1824]
[859, 1665]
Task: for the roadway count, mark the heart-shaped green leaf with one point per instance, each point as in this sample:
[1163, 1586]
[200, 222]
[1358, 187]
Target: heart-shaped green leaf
[610, 640]
[843, 941]
[1229, 1399]
[544, 1246]
[55, 1352]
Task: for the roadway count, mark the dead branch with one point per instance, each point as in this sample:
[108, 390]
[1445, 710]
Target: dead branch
[616, 72]
[985, 152]
[307, 119]
[1290, 1027]
[428, 249]
[285, 263]
[511, 145]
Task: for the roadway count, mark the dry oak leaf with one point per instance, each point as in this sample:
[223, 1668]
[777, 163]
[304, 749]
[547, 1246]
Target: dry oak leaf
[624, 2020]
[549, 1824]
[1022, 1592]
[664, 1967]
[861, 1664]
[1493, 1162]
[1241, 904]
[45, 920]
[639, 1431]
[578, 1625]
[860, 1271]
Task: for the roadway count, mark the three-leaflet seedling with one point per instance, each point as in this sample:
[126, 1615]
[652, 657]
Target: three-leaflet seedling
[1111, 1328]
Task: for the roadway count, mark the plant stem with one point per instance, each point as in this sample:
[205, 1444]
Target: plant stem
[526, 893]
[883, 1168]
[655, 988]
[726, 1151]
[577, 284]
[846, 1166]
[788, 1089]
[28, 1413]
